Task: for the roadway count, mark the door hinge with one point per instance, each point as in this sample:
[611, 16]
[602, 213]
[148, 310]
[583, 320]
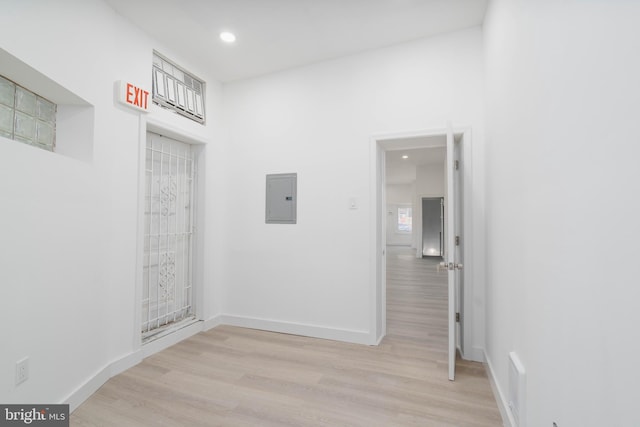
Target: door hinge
[457, 165]
[458, 317]
[457, 240]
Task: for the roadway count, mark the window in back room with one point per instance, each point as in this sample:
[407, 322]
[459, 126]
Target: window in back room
[404, 220]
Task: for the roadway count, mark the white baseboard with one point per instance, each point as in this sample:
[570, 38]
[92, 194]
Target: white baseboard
[358, 337]
[126, 362]
[85, 391]
[174, 337]
[211, 323]
[503, 405]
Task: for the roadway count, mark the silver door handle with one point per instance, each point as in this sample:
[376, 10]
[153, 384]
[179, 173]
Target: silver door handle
[449, 266]
[444, 266]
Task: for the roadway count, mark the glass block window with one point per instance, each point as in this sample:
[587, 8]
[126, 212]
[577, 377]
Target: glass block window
[177, 89]
[26, 117]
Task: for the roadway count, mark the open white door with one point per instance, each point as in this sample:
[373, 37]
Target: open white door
[451, 262]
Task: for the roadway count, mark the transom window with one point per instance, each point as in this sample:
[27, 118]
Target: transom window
[177, 89]
[26, 117]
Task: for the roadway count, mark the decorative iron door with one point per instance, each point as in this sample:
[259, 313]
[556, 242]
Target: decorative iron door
[167, 297]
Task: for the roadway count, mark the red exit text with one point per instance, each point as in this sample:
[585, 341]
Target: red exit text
[137, 97]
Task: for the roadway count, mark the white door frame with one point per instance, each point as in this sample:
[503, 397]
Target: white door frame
[451, 254]
[380, 144]
[149, 124]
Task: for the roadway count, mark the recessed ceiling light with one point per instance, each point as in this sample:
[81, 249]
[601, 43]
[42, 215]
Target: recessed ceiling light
[227, 37]
[405, 156]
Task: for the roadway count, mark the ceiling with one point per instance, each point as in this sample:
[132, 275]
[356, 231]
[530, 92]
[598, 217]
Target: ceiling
[403, 171]
[274, 35]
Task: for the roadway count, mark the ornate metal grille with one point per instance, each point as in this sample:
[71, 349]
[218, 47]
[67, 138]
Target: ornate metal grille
[168, 289]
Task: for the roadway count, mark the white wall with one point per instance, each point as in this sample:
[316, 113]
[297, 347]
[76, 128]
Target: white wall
[318, 121]
[430, 180]
[398, 195]
[69, 226]
[562, 208]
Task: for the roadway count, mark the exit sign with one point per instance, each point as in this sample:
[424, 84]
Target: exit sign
[133, 96]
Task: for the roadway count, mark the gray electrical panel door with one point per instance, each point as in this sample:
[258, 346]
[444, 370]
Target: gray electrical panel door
[281, 198]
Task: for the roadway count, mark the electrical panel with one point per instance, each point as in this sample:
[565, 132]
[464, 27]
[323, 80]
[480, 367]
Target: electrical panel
[281, 198]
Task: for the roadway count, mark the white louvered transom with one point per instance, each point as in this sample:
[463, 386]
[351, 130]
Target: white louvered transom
[177, 89]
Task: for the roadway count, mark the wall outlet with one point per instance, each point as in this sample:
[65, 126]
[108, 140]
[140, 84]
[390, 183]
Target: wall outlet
[22, 370]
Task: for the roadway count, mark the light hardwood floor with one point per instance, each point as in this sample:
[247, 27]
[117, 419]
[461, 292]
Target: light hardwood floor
[232, 376]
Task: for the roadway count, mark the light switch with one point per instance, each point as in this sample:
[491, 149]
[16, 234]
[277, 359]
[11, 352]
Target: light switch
[353, 203]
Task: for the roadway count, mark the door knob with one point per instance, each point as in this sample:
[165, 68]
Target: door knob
[443, 265]
[449, 266]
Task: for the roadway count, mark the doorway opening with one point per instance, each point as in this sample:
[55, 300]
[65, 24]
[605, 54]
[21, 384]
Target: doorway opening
[445, 181]
[169, 208]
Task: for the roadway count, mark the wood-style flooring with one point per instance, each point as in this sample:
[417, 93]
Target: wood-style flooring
[237, 377]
